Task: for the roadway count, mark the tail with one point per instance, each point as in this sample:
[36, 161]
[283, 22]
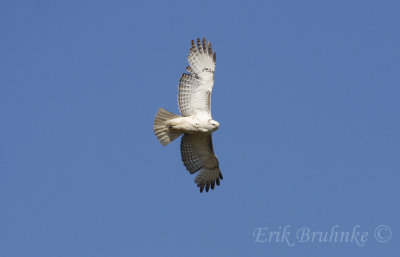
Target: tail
[163, 133]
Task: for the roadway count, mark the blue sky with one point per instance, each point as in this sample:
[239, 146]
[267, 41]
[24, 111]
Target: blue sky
[306, 92]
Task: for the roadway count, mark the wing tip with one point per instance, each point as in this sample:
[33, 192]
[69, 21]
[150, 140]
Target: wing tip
[199, 45]
[202, 46]
[209, 184]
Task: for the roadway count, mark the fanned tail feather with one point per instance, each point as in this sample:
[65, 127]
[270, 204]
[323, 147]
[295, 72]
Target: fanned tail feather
[164, 134]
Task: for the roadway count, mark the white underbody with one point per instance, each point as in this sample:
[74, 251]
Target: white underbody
[193, 124]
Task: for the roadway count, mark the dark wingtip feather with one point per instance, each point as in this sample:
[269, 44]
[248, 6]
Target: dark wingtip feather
[215, 57]
[212, 185]
[209, 49]
[201, 189]
[217, 181]
[204, 45]
[199, 45]
[207, 187]
[220, 175]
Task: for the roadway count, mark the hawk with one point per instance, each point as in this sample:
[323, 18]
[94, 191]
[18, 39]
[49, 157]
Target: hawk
[196, 123]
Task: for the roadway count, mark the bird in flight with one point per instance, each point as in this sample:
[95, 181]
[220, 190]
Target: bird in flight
[196, 123]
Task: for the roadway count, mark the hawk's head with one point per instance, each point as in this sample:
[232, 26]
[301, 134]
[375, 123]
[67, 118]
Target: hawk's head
[214, 124]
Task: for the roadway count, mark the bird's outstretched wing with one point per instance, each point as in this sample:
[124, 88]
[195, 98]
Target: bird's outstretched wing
[198, 154]
[195, 88]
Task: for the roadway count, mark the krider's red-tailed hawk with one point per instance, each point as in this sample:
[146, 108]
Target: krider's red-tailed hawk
[196, 123]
